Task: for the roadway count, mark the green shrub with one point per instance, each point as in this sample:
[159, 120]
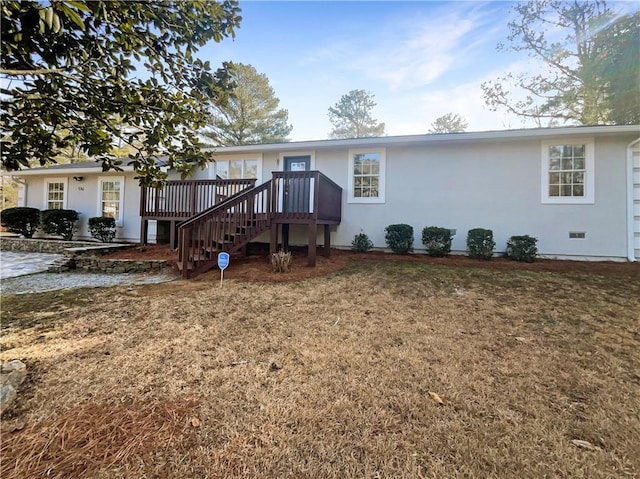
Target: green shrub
[399, 238]
[480, 243]
[437, 241]
[103, 228]
[21, 220]
[522, 248]
[59, 223]
[361, 243]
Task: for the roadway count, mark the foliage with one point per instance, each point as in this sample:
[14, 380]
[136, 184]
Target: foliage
[21, 220]
[449, 123]
[590, 56]
[103, 228]
[399, 238]
[480, 243]
[59, 223]
[522, 248]
[351, 116]
[96, 73]
[437, 240]
[280, 261]
[361, 243]
[251, 114]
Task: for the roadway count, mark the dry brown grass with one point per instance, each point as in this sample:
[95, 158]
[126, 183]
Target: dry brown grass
[330, 377]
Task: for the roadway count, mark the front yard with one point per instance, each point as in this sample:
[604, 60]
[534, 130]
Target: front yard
[335, 376]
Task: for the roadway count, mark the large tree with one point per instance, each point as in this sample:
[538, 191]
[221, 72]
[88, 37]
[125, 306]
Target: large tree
[351, 116]
[251, 114]
[449, 123]
[96, 74]
[582, 44]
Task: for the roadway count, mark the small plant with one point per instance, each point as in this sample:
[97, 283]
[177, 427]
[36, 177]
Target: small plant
[437, 241]
[399, 238]
[59, 223]
[103, 228]
[480, 243]
[361, 243]
[21, 220]
[522, 248]
[281, 261]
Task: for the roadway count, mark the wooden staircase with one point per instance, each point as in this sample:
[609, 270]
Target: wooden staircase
[227, 226]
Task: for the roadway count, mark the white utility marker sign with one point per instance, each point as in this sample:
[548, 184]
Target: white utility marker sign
[223, 262]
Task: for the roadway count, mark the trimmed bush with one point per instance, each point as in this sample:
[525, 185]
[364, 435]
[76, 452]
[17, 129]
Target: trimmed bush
[399, 238]
[361, 243]
[436, 240]
[59, 223]
[522, 248]
[480, 243]
[21, 220]
[103, 228]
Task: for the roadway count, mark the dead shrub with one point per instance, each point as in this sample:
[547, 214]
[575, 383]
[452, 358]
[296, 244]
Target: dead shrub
[281, 261]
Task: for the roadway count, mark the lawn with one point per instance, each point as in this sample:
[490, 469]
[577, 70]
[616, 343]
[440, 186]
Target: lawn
[331, 377]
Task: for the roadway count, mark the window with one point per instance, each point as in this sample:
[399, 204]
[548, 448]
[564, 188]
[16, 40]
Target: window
[55, 194]
[366, 176]
[568, 172]
[111, 198]
[236, 169]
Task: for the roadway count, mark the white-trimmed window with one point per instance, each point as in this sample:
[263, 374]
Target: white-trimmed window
[111, 197]
[236, 169]
[55, 194]
[568, 172]
[366, 175]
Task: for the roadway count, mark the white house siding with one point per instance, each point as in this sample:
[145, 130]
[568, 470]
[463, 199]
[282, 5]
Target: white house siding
[82, 196]
[486, 184]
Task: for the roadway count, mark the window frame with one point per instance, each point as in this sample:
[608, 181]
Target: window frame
[121, 179]
[381, 198]
[237, 157]
[65, 193]
[589, 172]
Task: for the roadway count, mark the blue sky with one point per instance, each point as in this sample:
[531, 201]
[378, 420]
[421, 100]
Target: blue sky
[421, 60]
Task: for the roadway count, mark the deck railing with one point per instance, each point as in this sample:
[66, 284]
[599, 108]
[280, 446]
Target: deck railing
[186, 198]
[304, 195]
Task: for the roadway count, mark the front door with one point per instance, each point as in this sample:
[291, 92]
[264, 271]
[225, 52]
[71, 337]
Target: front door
[297, 190]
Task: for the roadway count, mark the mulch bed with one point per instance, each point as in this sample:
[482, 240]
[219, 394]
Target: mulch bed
[257, 266]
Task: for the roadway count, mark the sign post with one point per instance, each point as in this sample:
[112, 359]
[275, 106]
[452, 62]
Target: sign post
[223, 262]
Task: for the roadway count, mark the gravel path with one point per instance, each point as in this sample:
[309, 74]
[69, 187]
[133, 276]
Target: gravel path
[37, 283]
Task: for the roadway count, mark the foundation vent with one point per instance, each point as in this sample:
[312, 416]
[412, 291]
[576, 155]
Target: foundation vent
[577, 234]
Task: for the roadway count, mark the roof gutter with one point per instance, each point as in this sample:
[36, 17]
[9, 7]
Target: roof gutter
[630, 213]
[62, 171]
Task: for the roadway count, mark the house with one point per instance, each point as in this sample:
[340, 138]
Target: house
[577, 189]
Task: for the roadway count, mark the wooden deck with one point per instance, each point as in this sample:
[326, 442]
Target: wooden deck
[307, 197]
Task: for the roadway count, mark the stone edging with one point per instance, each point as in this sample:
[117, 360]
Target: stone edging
[83, 256]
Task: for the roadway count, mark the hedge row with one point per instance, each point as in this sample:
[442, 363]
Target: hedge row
[437, 242]
[59, 222]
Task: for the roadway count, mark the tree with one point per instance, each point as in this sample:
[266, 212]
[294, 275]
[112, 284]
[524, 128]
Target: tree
[351, 116]
[580, 43]
[620, 69]
[75, 71]
[251, 114]
[449, 123]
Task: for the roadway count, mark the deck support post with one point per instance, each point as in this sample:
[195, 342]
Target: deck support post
[172, 235]
[327, 241]
[313, 232]
[285, 237]
[273, 243]
[144, 232]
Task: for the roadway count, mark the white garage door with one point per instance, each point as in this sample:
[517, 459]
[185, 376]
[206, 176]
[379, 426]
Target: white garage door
[636, 203]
